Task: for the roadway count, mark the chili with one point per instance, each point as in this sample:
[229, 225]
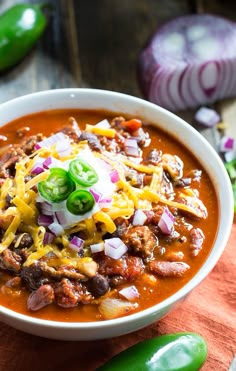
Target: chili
[80, 202]
[82, 173]
[57, 186]
[174, 352]
[20, 28]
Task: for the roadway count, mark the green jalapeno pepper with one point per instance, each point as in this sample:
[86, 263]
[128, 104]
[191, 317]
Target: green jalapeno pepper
[20, 28]
[57, 186]
[175, 352]
[80, 202]
[82, 173]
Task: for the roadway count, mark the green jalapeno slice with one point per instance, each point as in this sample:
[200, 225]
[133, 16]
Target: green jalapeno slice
[80, 202]
[82, 173]
[57, 187]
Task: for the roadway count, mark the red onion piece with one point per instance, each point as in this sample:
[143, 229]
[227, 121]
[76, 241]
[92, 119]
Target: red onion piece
[166, 221]
[131, 293]
[37, 170]
[53, 139]
[63, 147]
[45, 220]
[97, 195]
[115, 248]
[48, 238]
[189, 61]
[46, 208]
[97, 247]
[131, 147]
[207, 117]
[105, 203]
[114, 176]
[76, 244]
[227, 144]
[139, 217]
[56, 229]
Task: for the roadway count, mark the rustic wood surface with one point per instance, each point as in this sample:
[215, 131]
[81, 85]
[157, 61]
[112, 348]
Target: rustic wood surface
[93, 44]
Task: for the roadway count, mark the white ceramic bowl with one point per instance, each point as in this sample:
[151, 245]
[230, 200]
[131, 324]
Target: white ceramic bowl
[116, 102]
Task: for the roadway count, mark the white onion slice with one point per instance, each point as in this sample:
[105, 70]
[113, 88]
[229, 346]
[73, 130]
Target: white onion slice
[114, 308]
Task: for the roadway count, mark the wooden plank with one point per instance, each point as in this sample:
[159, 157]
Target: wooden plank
[53, 63]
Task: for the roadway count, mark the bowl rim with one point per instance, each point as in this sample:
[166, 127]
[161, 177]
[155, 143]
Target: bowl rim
[210, 261]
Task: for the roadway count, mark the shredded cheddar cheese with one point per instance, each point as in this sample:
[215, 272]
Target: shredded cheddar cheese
[22, 214]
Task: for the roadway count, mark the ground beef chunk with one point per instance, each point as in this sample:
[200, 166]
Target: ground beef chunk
[140, 240]
[10, 260]
[72, 130]
[8, 160]
[28, 144]
[98, 285]
[61, 272]
[93, 141]
[68, 294]
[23, 240]
[196, 240]
[121, 227]
[33, 276]
[168, 269]
[116, 123]
[153, 157]
[40, 298]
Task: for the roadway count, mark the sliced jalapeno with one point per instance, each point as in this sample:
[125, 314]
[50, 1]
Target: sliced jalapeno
[82, 173]
[80, 202]
[57, 186]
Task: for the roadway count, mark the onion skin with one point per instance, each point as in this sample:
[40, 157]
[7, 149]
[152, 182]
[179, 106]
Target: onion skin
[190, 61]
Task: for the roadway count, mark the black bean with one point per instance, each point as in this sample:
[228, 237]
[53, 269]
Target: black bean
[98, 285]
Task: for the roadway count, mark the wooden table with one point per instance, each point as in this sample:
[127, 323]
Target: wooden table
[92, 44]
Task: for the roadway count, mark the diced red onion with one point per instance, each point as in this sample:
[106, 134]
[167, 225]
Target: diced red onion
[97, 247]
[48, 238]
[115, 248]
[53, 139]
[63, 148]
[207, 117]
[76, 244]
[105, 203]
[97, 195]
[131, 147]
[56, 229]
[230, 155]
[114, 176]
[103, 124]
[139, 217]
[51, 162]
[46, 208]
[37, 170]
[227, 144]
[131, 293]
[47, 162]
[166, 221]
[189, 61]
[45, 220]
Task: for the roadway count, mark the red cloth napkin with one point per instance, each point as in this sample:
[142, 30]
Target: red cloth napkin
[210, 310]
